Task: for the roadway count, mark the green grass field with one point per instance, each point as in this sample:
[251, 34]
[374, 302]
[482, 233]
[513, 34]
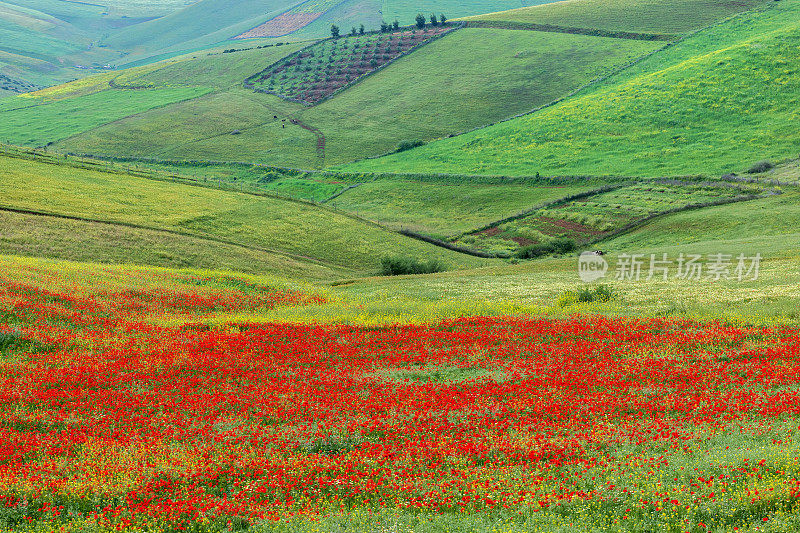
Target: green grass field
[687, 110]
[27, 122]
[767, 226]
[636, 16]
[63, 239]
[462, 91]
[200, 129]
[445, 207]
[211, 68]
[301, 230]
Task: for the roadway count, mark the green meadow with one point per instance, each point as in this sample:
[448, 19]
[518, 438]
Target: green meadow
[300, 230]
[687, 110]
[457, 92]
[448, 206]
[636, 16]
[35, 124]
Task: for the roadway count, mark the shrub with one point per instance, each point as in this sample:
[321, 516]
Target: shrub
[408, 145]
[434, 20]
[399, 265]
[361, 30]
[334, 31]
[557, 246]
[442, 19]
[9, 339]
[420, 20]
[601, 293]
[761, 166]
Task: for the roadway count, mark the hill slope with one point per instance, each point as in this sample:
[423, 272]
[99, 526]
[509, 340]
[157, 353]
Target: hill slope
[711, 104]
[301, 231]
[45, 42]
[636, 16]
[505, 73]
[199, 25]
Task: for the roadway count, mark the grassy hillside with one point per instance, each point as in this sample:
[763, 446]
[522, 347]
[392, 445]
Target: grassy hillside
[638, 16]
[303, 231]
[45, 42]
[711, 104]
[63, 239]
[37, 124]
[211, 68]
[767, 226]
[458, 91]
[447, 206]
[201, 24]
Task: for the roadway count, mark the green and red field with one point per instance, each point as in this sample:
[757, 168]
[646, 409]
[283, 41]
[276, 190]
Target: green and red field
[536, 269]
[125, 411]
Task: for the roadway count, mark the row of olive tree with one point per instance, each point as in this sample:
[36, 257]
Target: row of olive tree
[434, 21]
[421, 21]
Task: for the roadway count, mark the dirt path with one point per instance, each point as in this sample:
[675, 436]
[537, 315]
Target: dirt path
[320, 141]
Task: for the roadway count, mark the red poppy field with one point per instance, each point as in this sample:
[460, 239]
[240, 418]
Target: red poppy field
[111, 422]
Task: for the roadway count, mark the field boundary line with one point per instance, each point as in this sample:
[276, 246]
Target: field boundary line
[444, 244]
[689, 207]
[554, 28]
[131, 225]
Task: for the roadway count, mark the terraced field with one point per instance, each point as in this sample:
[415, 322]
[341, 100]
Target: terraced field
[317, 72]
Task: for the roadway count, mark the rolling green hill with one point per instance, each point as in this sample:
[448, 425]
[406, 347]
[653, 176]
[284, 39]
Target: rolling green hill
[714, 103]
[46, 42]
[202, 24]
[320, 239]
[505, 73]
[636, 16]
